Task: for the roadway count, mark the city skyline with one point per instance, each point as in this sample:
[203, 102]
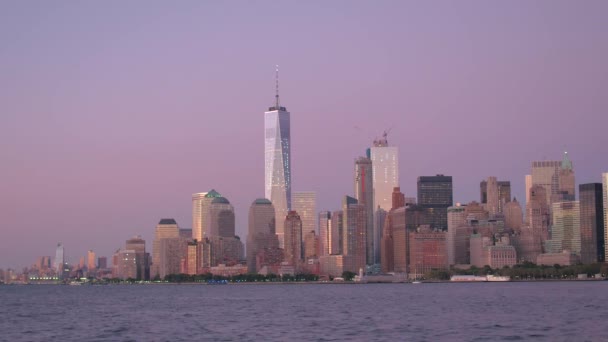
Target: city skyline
[100, 165]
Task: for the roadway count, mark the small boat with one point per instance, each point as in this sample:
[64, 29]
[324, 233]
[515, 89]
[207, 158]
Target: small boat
[416, 282]
[75, 283]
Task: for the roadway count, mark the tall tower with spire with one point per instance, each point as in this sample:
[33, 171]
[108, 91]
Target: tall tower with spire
[277, 160]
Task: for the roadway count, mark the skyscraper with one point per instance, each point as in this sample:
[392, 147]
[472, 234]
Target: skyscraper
[385, 171]
[605, 202]
[293, 239]
[354, 231]
[91, 260]
[305, 204]
[592, 223]
[324, 233]
[200, 208]
[565, 232]
[261, 232]
[59, 259]
[364, 193]
[557, 177]
[166, 229]
[435, 195]
[335, 233]
[500, 194]
[277, 152]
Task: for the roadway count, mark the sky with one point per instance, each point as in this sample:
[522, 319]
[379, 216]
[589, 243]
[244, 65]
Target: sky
[112, 114]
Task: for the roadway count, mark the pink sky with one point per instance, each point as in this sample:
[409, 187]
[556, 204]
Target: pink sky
[112, 114]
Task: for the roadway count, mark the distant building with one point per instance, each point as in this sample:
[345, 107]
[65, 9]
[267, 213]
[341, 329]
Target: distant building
[142, 259]
[592, 223]
[435, 195]
[335, 265]
[565, 232]
[261, 232]
[324, 232]
[605, 202]
[495, 194]
[379, 218]
[311, 245]
[354, 240]
[556, 177]
[364, 193]
[427, 251]
[91, 260]
[565, 258]
[456, 218]
[166, 228]
[102, 262]
[513, 215]
[200, 212]
[305, 204]
[226, 247]
[293, 239]
[59, 260]
[385, 171]
[277, 162]
[336, 233]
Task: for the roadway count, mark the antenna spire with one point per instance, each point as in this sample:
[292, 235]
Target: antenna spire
[277, 88]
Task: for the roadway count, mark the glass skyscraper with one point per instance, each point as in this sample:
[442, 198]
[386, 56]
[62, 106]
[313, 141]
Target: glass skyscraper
[592, 223]
[277, 149]
[435, 196]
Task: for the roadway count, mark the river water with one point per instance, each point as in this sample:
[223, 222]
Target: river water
[539, 311]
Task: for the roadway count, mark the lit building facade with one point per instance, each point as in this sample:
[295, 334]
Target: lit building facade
[261, 232]
[324, 233]
[305, 204]
[166, 228]
[364, 193]
[277, 165]
[565, 232]
[293, 239]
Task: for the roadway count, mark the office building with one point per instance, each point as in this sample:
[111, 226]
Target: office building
[435, 195]
[91, 260]
[324, 233]
[591, 223]
[166, 228]
[293, 239]
[305, 204]
[277, 165]
[261, 232]
[59, 260]
[354, 231]
[364, 193]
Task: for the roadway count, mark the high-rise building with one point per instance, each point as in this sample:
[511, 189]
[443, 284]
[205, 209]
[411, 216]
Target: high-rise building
[557, 177]
[528, 185]
[537, 213]
[261, 232]
[293, 239]
[354, 231]
[305, 204]
[605, 202]
[592, 223]
[166, 228]
[311, 245]
[565, 232]
[513, 215]
[427, 251]
[102, 262]
[221, 221]
[324, 233]
[456, 218]
[200, 210]
[501, 195]
[277, 155]
[385, 171]
[364, 193]
[379, 218]
[91, 260]
[142, 259]
[59, 259]
[435, 195]
[336, 232]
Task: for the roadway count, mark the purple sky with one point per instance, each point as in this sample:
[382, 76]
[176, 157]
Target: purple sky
[112, 114]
